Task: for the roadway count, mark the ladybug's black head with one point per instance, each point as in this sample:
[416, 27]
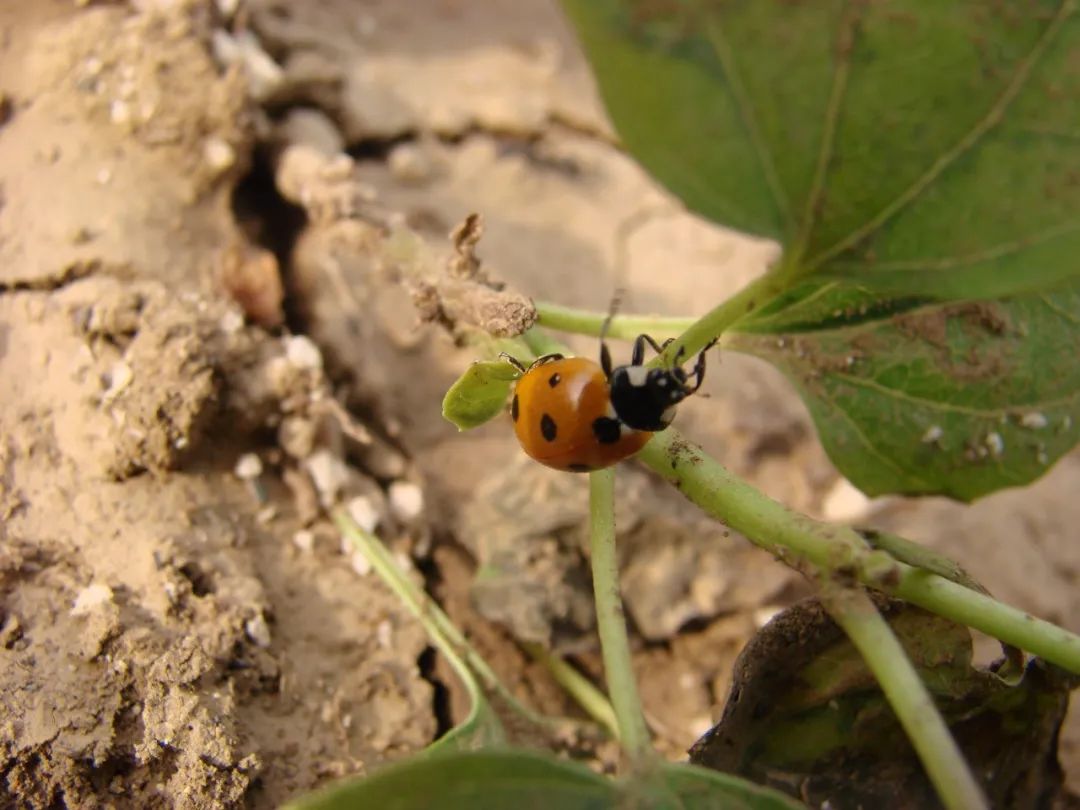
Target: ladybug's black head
[645, 398]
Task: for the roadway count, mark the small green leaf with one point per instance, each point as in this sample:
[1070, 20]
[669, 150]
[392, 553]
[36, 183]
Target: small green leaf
[805, 715]
[959, 399]
[919, 148]
[479, 394]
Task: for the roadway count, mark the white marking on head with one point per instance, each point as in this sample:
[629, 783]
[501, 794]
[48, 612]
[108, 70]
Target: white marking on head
[668, 414]
[662, 381]
[637, 375]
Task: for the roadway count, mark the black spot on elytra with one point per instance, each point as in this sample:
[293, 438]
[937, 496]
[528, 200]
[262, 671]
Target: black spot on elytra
[554, 380]
[579, 468]
[606, 429]
[514, 408]
[548, 428]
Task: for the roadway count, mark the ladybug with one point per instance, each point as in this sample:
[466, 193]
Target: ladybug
[576, 415]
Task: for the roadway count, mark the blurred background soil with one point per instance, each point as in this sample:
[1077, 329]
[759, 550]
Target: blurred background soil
[212, 213]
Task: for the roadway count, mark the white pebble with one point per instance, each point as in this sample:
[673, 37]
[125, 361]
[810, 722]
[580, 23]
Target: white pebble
[360, 563]
[218, 153]
[384, 634]
[328, 473]
[258, 630]
[363, 512]
[933, 434]
[765, 614]
[302, 352]
[248, 466]
[406, 500]
[232, 322]
[91, 597]
[304, 540]
[1034, 420]
[120, 377]
[120, 112]
[844, 503]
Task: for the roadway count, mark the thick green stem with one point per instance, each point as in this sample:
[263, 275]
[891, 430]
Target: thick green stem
[798, 538]
[852, 609]
[614, 643]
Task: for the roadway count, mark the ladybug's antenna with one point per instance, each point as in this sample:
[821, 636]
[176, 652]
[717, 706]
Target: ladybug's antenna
[605, 355]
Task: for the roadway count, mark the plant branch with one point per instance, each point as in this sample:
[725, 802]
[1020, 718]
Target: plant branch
[580, 688]
[694, 334]
[799, 539]
[611, 623]
[624, 327]
[444, 634]
[852, 609]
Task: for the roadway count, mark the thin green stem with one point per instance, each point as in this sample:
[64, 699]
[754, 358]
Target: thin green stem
[611, 623]
[623, 327]
[852, 609]
[800, 539]
[693, 334]
[444, 634]
[580, 688]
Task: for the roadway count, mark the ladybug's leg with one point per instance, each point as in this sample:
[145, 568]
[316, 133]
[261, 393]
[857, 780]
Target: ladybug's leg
[544, 358]
[638, 356]
[699, 369]
[509, 358]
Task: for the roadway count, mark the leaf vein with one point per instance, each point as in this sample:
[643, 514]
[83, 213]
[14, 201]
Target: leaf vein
[746, 113]
[993, 117]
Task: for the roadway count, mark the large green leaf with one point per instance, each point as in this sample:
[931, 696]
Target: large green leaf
[524, 780]
[923, 147]
[805, 714]
[958, 398]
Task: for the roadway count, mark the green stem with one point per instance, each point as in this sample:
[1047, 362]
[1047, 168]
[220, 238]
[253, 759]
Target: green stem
[624, 327]
[444, 634]
[693, 333]
[580, 688]
[614, 643]
[852, 609]
[787, 535]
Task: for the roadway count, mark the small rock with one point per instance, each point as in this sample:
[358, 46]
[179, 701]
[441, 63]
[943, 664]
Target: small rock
[218, 154]
[328, 473]
[248, 467]
[312, 128]
[845, 503]
[364, 513]
[303, 353]
[304, 540]
[406, 501]
[1034, 420]
[90, 598]
[360, 563]
[258, 630]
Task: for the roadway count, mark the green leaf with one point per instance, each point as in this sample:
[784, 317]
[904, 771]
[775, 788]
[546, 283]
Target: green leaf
[523, 780]
[805, 715]
[959, 398]
[487, 780]
[921, 147]
[479, 394]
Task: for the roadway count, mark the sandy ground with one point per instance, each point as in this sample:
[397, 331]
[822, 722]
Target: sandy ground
[179, 626]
